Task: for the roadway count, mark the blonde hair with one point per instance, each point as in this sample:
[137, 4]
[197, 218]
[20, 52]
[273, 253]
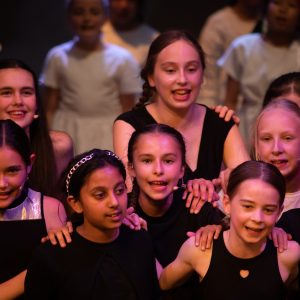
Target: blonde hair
[276, 103]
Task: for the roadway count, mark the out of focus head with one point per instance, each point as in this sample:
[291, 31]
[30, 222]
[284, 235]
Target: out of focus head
[286, 86]
[86, 18]
[126, 14]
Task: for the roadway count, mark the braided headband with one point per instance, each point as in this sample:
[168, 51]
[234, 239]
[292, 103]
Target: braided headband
[83, 161]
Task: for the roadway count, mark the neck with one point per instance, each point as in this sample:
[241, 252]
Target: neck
[246, 13]
[293, 183]
[155, 208]
[178, 119]
[91, 45]
[239, 248]
[97, 235]
[279, 40]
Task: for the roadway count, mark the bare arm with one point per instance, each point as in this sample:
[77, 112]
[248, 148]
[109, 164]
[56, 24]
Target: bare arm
[178, 271]
[235, 151]
[63, 149]
[55, 214]
[127, 101]
[51, 99]
[122, 132]
[232, 92]
[13, 287]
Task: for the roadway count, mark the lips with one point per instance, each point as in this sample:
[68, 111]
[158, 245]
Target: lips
[279, 163]
[158, 183]
[17, 113]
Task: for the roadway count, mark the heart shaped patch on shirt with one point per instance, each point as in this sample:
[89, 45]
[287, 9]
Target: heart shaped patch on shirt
[244, 273]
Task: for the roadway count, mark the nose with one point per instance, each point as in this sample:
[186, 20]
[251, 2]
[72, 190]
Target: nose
[257, 216]
[113, 201]
[158, 168]
[182, 77]
[3, 182]
[277, 146]
[17, 99]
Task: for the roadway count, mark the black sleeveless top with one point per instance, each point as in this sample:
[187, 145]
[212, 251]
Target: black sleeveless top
[224, 278]
[214, 134]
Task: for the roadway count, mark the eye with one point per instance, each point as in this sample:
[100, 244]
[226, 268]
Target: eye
[269, 211]
[288, 138]
[265, 138]
[169, 161]
[247, 206]
[100, 195]
[170, 70]
[6, 92]
[120, 190]
[27, 92]
[13, 170]
[96, 11]
[146, 160]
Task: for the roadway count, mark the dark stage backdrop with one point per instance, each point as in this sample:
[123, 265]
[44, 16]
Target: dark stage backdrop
[29, 28]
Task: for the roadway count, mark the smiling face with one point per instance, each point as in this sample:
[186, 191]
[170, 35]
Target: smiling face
[86, 18]
[157, 166]
[177, 75]
[278, 141]
[13, 174]
[254, 209]
[17, 97]
[283, 16]
[103, 202]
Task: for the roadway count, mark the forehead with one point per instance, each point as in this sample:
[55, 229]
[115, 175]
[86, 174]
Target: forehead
[106, 177]
[257, 191]
[278, 118]
[15, 76]
[156, 141]
[10, 157]
[180, 51]
[86, 3]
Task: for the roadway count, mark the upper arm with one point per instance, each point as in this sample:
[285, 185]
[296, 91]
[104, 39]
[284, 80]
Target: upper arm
[178, 271]
[127, 101]
[13, 287]
[235, 151]
[63, 149]
[122, 132]
[232, 92]
[51, 97]
[55, 214]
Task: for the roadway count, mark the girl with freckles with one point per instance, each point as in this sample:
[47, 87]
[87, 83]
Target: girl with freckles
[105, 260]
[243, 263]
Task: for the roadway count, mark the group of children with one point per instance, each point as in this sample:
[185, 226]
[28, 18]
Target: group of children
[167, 150]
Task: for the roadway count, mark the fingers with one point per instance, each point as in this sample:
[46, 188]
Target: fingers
[69, 226]
[204, 236]
[226, 113]
[280, 239]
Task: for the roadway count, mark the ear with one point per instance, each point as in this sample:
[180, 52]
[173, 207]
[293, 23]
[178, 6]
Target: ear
[32, 159]
[182, 171]
[75, 204]
[151, 81]
[226, 204]
[130, 169]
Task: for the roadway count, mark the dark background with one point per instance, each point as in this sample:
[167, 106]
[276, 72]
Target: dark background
[29, 28]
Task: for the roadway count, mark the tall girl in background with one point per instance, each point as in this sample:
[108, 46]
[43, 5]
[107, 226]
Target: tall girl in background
[25, 215]
[105, 260]
[156, 162]
[173, 76]
[254, 60]
[243, 263]
[20, 102]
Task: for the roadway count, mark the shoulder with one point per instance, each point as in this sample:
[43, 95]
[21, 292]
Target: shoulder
[211, 117]
[118, 52]
[60, 49]
[247, 40]
[61, 141]
[220, 15]
[292, 254]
